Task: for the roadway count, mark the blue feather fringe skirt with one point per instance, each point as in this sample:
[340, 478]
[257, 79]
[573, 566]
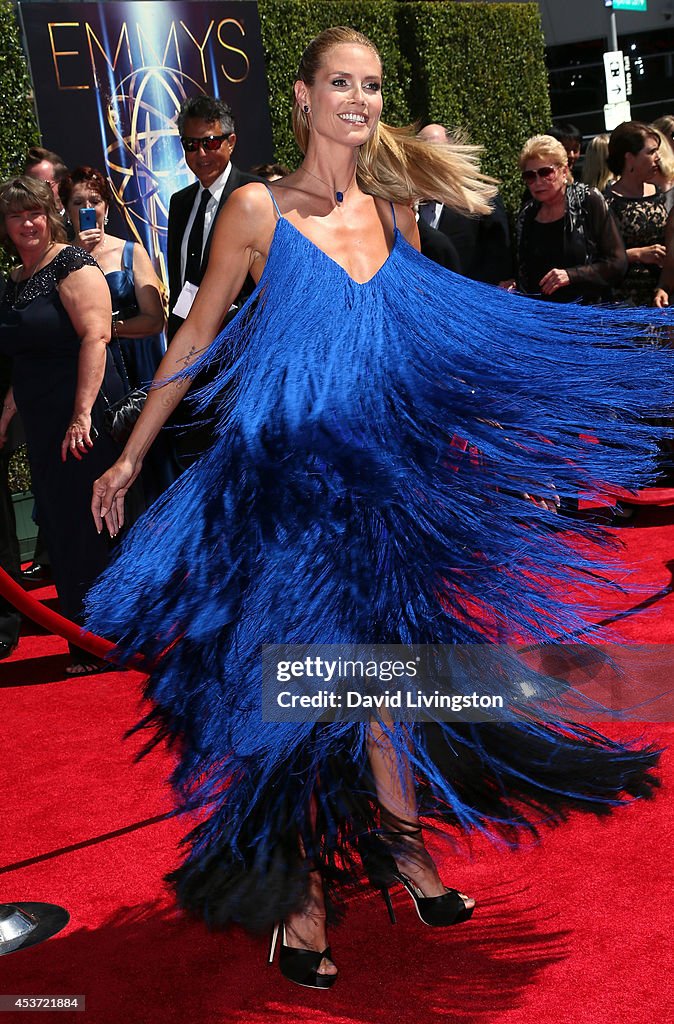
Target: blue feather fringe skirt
[373, 446]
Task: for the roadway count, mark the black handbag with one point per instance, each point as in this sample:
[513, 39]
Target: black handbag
[120, 418]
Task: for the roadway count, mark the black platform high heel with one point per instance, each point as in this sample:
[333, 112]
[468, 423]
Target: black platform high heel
[301, 965]
[383, 872]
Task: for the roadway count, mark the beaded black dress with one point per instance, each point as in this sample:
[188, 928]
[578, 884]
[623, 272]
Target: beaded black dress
[36, 331]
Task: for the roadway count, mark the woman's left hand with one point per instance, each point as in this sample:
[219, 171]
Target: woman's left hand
[553, 280]
[78, 438]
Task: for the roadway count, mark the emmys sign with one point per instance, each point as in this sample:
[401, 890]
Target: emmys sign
[109, 79]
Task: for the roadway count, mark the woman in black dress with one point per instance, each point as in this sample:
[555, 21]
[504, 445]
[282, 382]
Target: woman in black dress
[55, 321]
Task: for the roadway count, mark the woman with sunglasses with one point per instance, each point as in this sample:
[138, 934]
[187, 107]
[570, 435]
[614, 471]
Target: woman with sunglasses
[568, 246]
[338, 506]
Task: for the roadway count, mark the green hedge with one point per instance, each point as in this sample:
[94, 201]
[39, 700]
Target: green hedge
[18, 132]
[481, 68]
[476, 66]
[18, 126]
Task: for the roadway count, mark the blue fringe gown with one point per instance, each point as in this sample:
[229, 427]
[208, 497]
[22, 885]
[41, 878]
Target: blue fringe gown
[343, 503]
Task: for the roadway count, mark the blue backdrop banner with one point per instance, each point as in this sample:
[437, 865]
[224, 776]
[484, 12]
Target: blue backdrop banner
[109, 79]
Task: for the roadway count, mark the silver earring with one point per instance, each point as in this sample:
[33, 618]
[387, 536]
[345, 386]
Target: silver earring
[106, 219]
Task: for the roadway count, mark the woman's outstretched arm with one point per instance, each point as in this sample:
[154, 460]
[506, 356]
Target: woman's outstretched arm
[242, 234]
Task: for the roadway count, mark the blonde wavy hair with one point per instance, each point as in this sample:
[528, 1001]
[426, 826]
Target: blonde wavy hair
[665, 124]
[596, 171]
[26, 193]
[665, 158]
[394, 164]
[543, 147]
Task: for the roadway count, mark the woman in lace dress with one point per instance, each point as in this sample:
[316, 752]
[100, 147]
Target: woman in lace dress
[640, 209]
[55, 321]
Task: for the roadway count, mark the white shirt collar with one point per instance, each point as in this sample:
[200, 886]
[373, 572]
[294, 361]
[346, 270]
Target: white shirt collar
[217, 188]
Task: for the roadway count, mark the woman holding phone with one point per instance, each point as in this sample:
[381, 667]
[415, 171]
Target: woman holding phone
[55, 318]
[137, 306]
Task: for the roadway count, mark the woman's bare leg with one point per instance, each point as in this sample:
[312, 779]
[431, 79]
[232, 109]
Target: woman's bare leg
[307, 928]
[394, 783]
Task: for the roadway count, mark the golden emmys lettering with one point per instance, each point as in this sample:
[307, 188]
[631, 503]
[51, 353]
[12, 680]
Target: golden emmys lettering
[78, 53]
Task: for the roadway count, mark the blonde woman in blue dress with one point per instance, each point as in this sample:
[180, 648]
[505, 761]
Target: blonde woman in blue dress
[342, 504]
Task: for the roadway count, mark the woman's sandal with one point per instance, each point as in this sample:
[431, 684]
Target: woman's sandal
[383, 872]
[88, 668]
[301, 965]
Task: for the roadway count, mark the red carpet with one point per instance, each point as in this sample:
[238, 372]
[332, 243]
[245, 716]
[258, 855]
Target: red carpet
[575, 930]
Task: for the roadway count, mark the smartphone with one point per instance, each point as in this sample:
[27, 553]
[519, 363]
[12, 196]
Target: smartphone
[87, 218]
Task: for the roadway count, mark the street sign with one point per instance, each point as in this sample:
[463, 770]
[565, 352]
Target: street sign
[628, 75]
[615, 114]
[614, 70]
[630, 5]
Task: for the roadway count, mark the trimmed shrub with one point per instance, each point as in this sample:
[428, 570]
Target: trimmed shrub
[481, 68]
[18, 127]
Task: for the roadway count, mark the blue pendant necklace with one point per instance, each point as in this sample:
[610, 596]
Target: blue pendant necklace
[339, 196]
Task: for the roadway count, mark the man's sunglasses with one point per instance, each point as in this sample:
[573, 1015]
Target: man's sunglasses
[542, 172]
[209, 143]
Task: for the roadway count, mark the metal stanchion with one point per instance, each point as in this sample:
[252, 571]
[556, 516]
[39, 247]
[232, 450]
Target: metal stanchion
[27, 924]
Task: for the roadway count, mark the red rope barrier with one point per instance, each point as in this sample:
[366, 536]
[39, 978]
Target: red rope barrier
[50, 620]
[647, 496]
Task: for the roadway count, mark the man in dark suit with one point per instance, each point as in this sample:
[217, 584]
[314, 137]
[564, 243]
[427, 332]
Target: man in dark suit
[438, 247]
[483, 243]
[208, 136]
[46, 166]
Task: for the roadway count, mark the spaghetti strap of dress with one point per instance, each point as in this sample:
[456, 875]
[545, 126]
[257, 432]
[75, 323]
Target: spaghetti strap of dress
[393, 214]
[127, 256]
[271, 194]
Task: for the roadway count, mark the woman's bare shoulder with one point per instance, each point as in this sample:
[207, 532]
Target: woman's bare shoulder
[406, 219]
[251, 200]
